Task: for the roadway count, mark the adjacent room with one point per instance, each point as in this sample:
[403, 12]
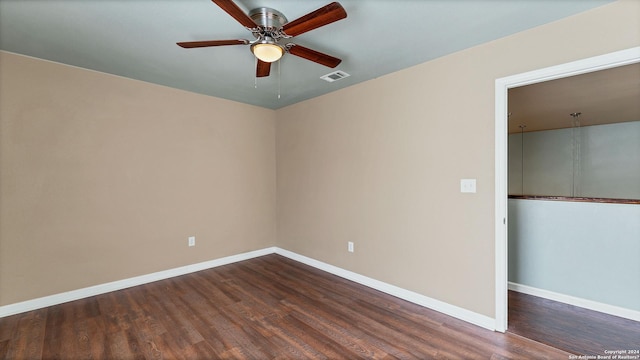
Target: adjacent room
[283, 179]
[574, 190]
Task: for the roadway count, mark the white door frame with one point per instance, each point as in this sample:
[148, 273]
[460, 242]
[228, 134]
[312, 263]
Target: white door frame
[602, 62]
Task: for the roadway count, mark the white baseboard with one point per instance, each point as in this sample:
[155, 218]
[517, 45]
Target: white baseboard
[56, 299]
[575, 301]
[437, 305]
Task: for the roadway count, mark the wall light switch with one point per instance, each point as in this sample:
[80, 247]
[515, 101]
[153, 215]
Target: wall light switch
[468, 185]
[192, 241]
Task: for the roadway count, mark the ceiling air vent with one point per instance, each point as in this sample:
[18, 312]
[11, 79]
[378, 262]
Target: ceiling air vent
[334, 76]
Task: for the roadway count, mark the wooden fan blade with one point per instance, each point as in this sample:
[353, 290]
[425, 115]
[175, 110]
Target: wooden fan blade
[315, 56]
[263, 68]
[232, 9]
[207, 43]
[313, 20]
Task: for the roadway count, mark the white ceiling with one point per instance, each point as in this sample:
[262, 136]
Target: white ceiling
[601, 97]
[137, 39]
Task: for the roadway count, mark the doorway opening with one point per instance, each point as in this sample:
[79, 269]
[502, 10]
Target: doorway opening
[502, 86]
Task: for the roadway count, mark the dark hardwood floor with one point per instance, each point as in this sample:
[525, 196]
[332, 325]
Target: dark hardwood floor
[264, 308]
[570, 328]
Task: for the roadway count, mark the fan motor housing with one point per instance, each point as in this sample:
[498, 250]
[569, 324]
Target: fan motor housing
[268, 17]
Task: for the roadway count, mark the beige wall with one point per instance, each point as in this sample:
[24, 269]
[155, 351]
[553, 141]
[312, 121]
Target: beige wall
[380, 163]
[104, 178]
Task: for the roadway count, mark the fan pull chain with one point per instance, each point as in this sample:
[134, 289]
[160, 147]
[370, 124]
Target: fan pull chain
[255, 77]
[279, 79]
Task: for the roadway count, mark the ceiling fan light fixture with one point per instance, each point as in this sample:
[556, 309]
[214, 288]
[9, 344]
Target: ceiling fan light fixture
[267, 51]
[270, 26]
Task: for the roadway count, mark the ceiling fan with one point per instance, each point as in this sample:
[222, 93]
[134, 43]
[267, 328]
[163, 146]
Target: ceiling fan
[270, 27]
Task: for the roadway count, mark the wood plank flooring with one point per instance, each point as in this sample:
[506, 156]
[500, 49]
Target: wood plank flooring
[571, 328]
[265, 308]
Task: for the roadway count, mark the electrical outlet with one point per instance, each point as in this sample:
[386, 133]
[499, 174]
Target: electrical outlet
[468, 185]
[350, 246]
[192, 241]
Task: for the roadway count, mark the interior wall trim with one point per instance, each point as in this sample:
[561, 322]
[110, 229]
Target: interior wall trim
[437, 305]
[419, 299]
[576, 301]
[78, 294]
